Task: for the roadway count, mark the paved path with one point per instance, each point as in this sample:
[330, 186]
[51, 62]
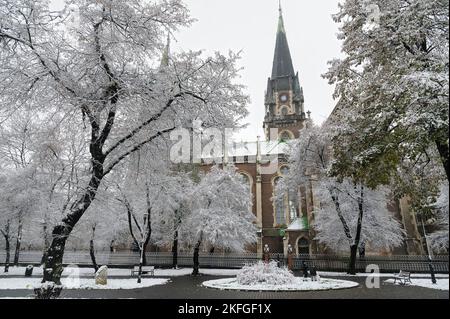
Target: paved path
[188, 287]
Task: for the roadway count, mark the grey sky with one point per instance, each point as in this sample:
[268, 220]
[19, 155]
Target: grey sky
[250, 26]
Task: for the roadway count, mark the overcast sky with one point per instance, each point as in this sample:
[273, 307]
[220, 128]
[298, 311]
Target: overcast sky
[250, 26]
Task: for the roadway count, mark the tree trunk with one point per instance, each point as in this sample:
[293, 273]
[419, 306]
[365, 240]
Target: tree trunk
[5, 234]
[147, 226]
[195, 271]
[175, 250]
[444, 153]
[144, 258]
[18, 243]
[53, 260]
[352, 262]
[355, 245]
[92, 250]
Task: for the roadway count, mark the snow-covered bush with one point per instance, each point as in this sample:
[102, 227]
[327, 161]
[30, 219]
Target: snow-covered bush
[264, 273]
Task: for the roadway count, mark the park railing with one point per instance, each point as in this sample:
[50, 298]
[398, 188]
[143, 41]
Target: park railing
[126, 259]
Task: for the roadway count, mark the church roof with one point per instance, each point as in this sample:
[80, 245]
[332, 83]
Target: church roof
[282, 61]
[300, 223]
[250, 149]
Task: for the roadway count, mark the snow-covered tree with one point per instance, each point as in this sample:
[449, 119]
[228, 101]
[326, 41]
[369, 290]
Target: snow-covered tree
[379, 230]
[20, 200]
[348, 213]
[95, 65]
[439, 239]
[221, 214]
[392, 86]
[171, 209]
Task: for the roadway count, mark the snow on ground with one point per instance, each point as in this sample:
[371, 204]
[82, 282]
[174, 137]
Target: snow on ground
[82, 283]
[220, 272]
[344, 274]
[442, 284]
[297, 285]
[269, 277]
[122, 272]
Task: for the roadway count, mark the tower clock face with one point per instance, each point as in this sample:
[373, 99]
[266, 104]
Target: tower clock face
[283, 97]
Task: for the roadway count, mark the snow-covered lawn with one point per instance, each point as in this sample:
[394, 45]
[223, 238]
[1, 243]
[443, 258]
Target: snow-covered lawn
[297, 285]
[122, 272]
[269, 277]
[381, 275]
[82, 283]
[442, 284]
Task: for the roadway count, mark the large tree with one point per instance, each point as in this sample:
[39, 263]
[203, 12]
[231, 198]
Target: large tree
[348, 212]
[221, 214]
[353, 216]
[95, 64]
[391, 85]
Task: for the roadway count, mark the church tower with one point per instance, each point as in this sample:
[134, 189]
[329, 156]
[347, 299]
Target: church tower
[284, 100]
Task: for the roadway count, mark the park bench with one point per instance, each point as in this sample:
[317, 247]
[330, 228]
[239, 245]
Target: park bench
[403, 277]
[146, 270]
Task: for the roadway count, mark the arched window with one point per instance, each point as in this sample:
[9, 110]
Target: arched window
[284, 111]
[286, 135]
[303, 246]
[279, 205]
[247, 179]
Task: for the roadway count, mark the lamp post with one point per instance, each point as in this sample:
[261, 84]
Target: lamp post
[430, 264]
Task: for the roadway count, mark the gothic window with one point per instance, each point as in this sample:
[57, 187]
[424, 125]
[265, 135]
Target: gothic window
[286, 135]
[303, 246]
[279, 204]
[293, 213]
[248, 181]
[284, 111]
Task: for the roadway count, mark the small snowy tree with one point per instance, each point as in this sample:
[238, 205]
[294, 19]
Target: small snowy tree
[348, 210]
[439, 239]
[171, 209]
[221, 214]
[20, 201]
[361, 216]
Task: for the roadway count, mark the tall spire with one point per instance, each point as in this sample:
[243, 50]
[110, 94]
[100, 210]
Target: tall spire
[166, 53]
[282, 61]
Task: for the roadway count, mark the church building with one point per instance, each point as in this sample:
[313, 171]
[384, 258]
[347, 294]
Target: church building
[263, 163]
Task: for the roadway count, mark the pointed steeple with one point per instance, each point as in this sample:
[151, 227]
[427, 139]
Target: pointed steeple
[282, 61]
[166, 53]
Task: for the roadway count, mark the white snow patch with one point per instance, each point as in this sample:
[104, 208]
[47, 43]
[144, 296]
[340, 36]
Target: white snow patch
[299, 284]
[122, 272]
[220, 272]
[381, 275]
[82, 283]
[441, 284]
